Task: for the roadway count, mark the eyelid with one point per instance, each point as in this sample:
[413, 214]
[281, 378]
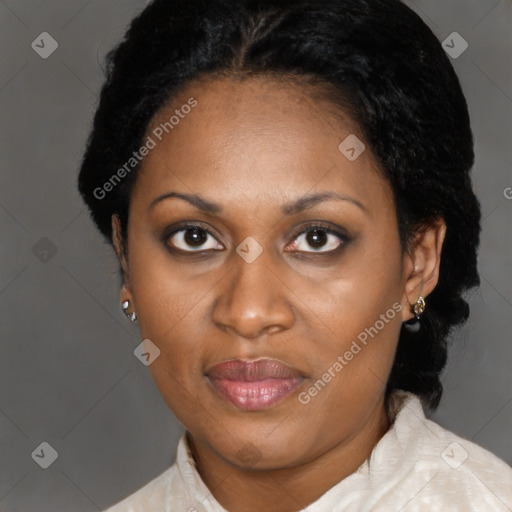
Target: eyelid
[327, 228]
[184, 226]
[311, 225]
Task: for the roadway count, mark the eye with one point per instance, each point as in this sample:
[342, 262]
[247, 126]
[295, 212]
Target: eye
[193, 238]
[319, 239]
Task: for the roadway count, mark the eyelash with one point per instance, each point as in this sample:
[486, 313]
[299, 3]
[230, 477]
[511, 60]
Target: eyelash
[319, 226]
[344, 239]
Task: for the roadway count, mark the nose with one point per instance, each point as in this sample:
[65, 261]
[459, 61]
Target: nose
[252, 300]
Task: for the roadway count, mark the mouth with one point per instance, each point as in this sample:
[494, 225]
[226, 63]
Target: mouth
[254, 385]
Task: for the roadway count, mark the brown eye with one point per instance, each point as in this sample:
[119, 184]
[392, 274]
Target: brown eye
[316, 238]
[319, 239]
[193, 239]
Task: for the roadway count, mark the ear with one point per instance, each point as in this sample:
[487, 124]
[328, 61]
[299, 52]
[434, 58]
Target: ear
[119, 247]
[421, 265]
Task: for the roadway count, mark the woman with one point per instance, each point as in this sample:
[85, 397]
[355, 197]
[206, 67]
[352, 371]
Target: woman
[286, 185]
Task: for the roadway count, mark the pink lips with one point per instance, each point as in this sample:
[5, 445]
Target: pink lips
[254, 385]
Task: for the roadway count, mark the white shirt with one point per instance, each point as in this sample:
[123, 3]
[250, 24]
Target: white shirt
[417, 466]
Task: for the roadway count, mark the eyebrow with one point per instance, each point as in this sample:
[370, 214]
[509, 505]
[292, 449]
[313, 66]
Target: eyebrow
[290, 208]
[193, 199]
[306, 202]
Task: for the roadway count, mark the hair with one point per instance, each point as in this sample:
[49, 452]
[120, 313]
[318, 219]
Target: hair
[377, 60]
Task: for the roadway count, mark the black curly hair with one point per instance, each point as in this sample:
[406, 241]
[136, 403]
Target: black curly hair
[378, 61]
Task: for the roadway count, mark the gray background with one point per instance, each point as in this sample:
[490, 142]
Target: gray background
[68, 375]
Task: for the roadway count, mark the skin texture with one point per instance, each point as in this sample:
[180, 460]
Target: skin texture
[252, 147]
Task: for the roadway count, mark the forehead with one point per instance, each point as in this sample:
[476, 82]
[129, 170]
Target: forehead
[259, 139]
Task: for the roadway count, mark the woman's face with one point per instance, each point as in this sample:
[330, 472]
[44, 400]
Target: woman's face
[287, 249]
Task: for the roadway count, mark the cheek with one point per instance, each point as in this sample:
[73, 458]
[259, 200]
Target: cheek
[169, 305]
[360, 321]
[364, 286]
[171, 316]
[352, 358]
[359, 332]
[166, 294]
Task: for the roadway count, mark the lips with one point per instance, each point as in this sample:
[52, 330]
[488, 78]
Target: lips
[254, 385]
[252, 371]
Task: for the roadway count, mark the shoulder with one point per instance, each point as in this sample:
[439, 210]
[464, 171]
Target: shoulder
[463, 472]
[150, 497]
[173, 489]
[445, 469]
[179, 487]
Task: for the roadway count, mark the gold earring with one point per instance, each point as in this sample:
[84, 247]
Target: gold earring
[418, 307]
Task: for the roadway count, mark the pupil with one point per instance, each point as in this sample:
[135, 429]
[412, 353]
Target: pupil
[316, 238]
[195, 236]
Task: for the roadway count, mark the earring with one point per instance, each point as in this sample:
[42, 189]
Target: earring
[132, 316]
[414, 325]
[419, 307]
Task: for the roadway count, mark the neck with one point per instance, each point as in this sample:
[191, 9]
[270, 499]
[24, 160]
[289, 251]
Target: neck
[287, 489]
